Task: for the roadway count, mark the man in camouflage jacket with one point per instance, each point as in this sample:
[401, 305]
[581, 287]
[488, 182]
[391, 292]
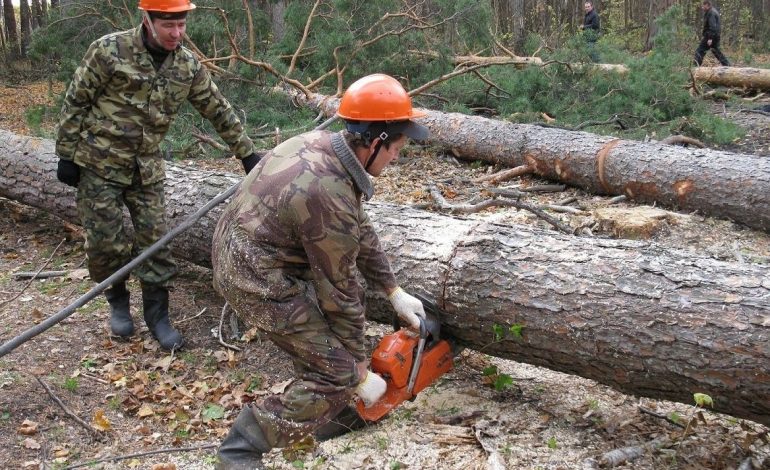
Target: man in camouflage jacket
[285, 254]
[117, 110]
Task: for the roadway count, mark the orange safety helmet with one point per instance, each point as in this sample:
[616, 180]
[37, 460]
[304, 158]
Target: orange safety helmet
[377, 97]
[166, 6]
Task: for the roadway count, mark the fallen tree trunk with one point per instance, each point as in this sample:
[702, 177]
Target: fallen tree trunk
[735, 77]
[636, 316]
[722, 184]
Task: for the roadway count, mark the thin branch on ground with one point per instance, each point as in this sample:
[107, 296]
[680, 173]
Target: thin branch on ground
[94, 378]
[39, 274]
[648, 411]
[506, 192]
[755, 98]
[91, 463]
[91, 430]
[505, 175]
[544, 188]
[32, 279]
[755, 111]
[618, 199]
[219, 330]
[566, 201]
[564, 209]
[613, 120]
[442, 203]
[191, 318]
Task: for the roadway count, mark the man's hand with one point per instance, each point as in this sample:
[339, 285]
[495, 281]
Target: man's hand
[371, 389]
[68, 173]
[409, 308]
[250, 162]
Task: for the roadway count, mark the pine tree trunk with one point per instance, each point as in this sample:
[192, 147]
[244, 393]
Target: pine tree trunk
[11, 32]
[722, 184]
[3, 47]
[25, 19]
[639, 317]
[37, 14]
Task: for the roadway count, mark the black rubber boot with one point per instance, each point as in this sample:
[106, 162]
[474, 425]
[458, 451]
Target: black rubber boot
[121, 323]
[244, 445]
[155, 302]
[348, 420]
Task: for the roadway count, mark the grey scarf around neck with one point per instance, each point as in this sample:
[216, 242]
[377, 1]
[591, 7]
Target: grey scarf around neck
[351, 163]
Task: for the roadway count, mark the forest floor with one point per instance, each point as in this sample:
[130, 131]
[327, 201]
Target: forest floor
[133, 398]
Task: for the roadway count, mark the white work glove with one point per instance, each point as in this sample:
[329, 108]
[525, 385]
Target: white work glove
[371, 389]
[408, 307]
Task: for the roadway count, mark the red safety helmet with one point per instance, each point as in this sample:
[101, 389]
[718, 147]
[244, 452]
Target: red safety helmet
[166, 6]
[377, 97]
[378, 106]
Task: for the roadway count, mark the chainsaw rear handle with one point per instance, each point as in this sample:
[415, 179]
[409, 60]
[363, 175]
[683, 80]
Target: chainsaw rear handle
[423, 326]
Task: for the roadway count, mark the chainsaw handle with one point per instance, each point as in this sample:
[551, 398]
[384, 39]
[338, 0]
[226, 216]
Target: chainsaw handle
[423, 326]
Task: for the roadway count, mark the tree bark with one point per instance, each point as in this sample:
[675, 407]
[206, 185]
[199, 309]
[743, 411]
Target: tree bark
[639, 317]
[11, 32]
[740, 77]
[25, 21]
[722, 184]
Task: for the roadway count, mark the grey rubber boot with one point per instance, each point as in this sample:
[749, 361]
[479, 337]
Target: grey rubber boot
[121, 323]
[155, 302]
[348, 420]
[244, 445]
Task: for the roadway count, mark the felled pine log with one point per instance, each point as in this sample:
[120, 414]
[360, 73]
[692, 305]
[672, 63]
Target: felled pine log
[734, 77]
[721, 184]
[644, 319]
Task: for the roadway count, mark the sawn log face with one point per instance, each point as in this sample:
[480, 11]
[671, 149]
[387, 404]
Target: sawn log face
[644, 319]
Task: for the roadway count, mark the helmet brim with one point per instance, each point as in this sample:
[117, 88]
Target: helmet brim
[416, 131]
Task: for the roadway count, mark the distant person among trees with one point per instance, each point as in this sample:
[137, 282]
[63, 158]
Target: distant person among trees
[118, 108]
[712, 30]
[591, 29]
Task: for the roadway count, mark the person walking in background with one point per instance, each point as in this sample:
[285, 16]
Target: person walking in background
[712, 30]
[591, 29]
[118, 108]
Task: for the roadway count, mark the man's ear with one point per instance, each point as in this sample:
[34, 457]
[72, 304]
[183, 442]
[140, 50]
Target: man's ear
[373, 144]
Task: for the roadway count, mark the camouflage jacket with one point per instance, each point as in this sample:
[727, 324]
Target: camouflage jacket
[299, 214]
[118, 108]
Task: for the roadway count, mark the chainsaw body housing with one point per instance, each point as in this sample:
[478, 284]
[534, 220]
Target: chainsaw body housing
[394, 360]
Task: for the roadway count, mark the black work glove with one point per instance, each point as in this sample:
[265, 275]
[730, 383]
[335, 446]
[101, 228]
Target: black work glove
[250, 162]
[68, 173]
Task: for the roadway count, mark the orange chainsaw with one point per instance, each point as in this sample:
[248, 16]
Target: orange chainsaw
[409, 362]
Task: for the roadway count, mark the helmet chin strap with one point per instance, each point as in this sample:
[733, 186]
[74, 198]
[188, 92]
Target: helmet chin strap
[377, 148]
[147, 18]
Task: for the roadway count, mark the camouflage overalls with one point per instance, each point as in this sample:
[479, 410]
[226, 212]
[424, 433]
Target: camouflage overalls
[285, 254]
[116, 112]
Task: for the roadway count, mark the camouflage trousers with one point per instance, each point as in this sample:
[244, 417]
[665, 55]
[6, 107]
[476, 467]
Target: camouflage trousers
[108, 247]
[326, 374]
